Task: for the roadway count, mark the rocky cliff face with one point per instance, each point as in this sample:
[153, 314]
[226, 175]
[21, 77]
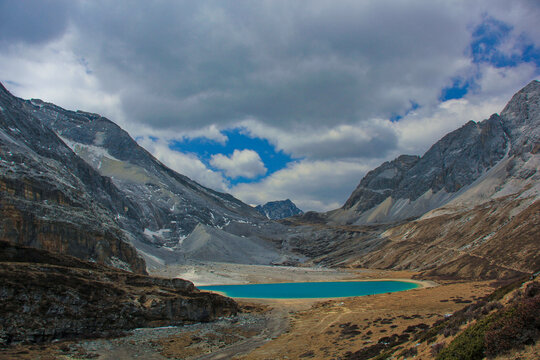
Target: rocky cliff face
[279, 209]
[521, 120]
[380, 183]
[46, 296]
[52, 199]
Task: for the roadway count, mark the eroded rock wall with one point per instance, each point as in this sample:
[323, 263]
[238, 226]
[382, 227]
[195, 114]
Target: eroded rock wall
[46, 296]
[34, 215]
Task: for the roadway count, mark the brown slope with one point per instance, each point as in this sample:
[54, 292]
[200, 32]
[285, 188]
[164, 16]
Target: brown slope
[484, 242]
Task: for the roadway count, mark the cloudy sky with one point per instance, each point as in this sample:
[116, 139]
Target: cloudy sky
[274, 99]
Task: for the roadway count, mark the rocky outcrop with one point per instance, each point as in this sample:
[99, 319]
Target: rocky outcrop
[281, 209]
[20, 225]
[380, 183]
[46, 296]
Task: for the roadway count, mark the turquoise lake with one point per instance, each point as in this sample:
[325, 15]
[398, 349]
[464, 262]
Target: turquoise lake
[311, 290]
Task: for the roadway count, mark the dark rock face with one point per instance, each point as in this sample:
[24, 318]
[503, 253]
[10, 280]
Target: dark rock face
[46, 296]
[378, 184]
[52, 199]
[521, 119]
[279, 209]
[457, 159]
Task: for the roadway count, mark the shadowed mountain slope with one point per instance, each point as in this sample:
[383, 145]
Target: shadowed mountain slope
[52, 199]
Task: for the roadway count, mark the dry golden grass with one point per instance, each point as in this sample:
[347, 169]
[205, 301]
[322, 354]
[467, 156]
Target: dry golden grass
[331, 329]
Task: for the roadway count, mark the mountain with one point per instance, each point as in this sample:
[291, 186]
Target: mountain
[169, 205]
[281, 209]
[468, 208]
[145, 203]
[54, 200]
[410, 186]
[76, 183]
[66, 235]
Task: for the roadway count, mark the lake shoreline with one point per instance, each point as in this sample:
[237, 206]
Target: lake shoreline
[215, 273]
[235, 291]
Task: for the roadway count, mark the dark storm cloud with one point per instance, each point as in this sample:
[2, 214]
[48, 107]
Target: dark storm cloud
[184, 65]
[32, 21]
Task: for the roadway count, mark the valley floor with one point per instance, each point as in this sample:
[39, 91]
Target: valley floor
[280, 329]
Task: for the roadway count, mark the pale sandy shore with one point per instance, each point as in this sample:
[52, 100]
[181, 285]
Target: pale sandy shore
[214, 273]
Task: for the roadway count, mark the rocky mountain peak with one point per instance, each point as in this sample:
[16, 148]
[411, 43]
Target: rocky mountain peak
[3, 90]
[51, 198]
[279, 209]
[410, 186]
[379, 183]
[524, 105]
[521, 118]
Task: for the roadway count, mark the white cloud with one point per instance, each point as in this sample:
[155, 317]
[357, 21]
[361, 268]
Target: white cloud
[184, 66]
[503, 82]
[54, 73]
[211, 132]
[366, 139]
[420, 129]
[186, 164]
[242, 163]
[312, 185]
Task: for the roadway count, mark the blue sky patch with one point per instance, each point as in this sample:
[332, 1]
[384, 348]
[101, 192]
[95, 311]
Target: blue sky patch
[458, 90]
[238, 139]
[397, 117]
[486, 48]
[487, 39]
[531, 54]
